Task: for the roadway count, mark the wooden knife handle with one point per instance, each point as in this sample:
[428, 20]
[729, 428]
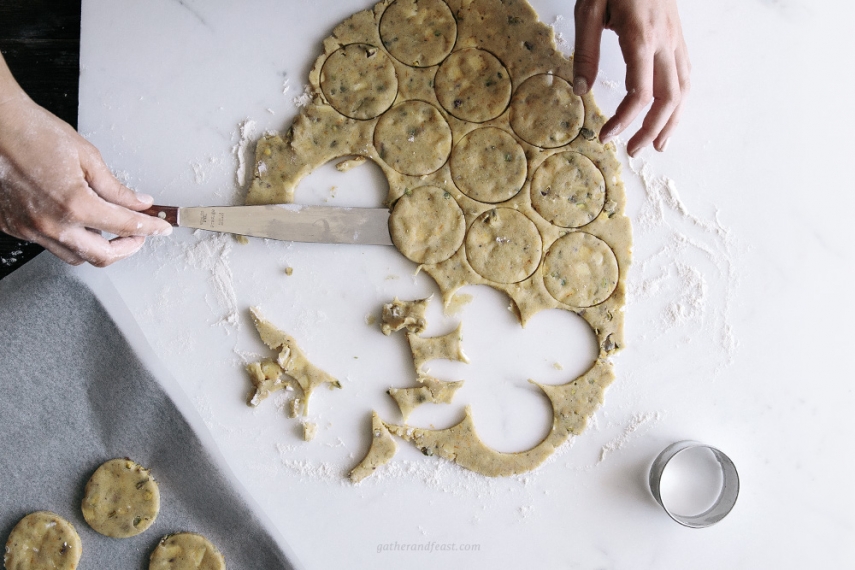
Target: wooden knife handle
[167, 213]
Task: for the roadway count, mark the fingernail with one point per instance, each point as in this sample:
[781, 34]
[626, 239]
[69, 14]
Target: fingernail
[145, 198]
[165, 232]
[664, 146]
[580, 86]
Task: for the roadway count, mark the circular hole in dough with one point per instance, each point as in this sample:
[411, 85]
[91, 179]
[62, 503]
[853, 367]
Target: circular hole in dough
[568, 190]
[489, 165]
[427, 225]
[545, 112]
[413, 138]
[121, 499]
[359, 81]
[503, 245]
[43, 540]
[418, 33]
[580, 270]
[473, 85]
[186, 551]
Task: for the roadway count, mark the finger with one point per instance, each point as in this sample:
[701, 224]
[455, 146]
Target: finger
[683, 71]
[96, 250]
[590, 21]
[59, 250]
[93, 212]
[639, 87]
[666, 98]
[102, 181]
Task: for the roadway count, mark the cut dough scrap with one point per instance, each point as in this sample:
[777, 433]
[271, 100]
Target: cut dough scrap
[292, 360]
[413, 138]
[404, 314]
[382, 450]
[427, 225]
[266, 377]
[350, 163]
[121, 499]
[545, 112]
[489, 165]
[572, 404]
[186, 551]
[419, 33]
[43, 540]
[431, 391]
[568, 190]
[310, 429]
[580, 270]
[445, 347]
[359, 81]
[503, 246]
[473, 85]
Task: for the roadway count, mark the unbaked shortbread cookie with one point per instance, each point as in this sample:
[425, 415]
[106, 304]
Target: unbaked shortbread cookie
[186, 551]
[121, 499]
[42, 541]
[496, 177]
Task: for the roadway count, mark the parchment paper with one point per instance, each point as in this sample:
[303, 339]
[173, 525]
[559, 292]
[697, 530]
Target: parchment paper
[75, 394]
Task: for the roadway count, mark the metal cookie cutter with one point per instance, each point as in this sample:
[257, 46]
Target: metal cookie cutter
[726, 498]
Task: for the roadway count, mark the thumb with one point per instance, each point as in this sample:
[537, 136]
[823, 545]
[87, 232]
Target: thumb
[590, 21]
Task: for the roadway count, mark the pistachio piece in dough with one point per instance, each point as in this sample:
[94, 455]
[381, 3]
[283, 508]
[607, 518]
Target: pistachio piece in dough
[418, 33]
[580, 270]
[382, 449]
[291, 359]
[473, 85]
[266, 377]
[445, 347]
[568, 190]
[503, 245]
[545, 112]
[431, 391]
[489, 165]
[427, 225]
[186, 551]
[121, 499]
[413, 138]
[359, 81]
[43, 541]
[404, 314]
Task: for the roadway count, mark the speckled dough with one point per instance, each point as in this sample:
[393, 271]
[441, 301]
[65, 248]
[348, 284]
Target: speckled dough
[445, 347]
[408, 315]
[42, 541]
[121, 499]
[382, 450]
[431, 390]
[473, 85]
[488, 165]
[427, 40]
[359, 81]
[186, 551]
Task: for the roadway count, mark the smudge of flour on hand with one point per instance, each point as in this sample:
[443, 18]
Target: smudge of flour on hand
[211, 253]
[637, 422]
[246, 131]
[685, 266]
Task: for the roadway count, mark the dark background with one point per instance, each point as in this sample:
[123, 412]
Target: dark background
[40, 41]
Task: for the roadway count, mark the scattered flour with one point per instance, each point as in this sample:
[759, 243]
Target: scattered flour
[303, 98]
[637, 422]
[211, 253]
[246, 132]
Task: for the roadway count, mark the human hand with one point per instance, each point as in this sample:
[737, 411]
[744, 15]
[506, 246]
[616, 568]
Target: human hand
[56, 190]
[657, 64]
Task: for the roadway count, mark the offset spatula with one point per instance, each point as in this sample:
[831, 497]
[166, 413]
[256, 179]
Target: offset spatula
[288, 222]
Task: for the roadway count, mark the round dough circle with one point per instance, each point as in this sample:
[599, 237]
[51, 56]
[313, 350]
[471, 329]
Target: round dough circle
[503, 245]
[359, 81]
[418, 33]
[186, 551]
[489, 165]
[413, 138]
[121, 499]
[473, 85]
[545, 112]
[568, 190]
[43, 541]
[427, 225]
[580, 270]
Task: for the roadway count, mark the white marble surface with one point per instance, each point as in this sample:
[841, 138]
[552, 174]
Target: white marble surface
[738, 322]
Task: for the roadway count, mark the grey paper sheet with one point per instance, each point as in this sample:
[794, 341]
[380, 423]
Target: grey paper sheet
[75, 394]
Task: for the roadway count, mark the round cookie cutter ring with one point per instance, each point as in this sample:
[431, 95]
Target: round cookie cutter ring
[726, 498]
